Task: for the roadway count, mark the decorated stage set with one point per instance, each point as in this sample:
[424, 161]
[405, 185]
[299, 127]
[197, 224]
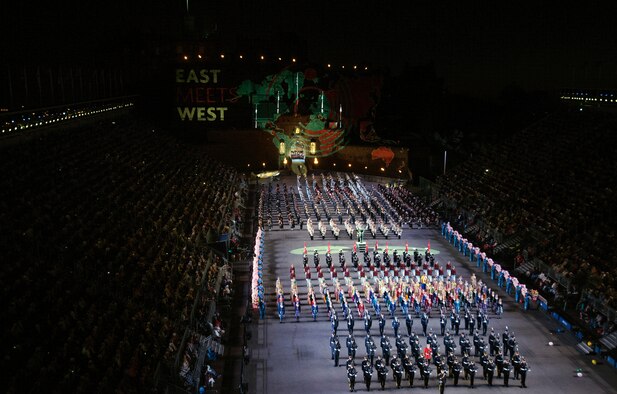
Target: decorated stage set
[296, 118]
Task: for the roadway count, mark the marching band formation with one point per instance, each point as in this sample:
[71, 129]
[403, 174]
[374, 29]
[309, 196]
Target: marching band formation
[388, 286]
[340, 200]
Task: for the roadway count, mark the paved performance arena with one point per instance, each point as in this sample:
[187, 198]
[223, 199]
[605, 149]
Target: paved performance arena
[294, 356]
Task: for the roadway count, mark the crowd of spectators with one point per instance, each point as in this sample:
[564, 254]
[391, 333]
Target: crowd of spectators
[104, 240]
[549, 186]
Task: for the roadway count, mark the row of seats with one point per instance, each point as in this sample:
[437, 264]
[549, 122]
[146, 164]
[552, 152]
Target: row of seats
[550, 188]
[104, 237]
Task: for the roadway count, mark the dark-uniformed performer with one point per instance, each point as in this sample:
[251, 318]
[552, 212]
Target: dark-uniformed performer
[472, 372]
[385, 348]
[493, 342]
[426, 372]
[456, 370]
[397, 371]
[382, 323]
[442, 324]
[424, 321]
[472, 326]
[464, 344]
[515, 360]
[505, 335]
[351, 377]
[484, 323]
[466, 363]
[442, 381]
[490, 371]
[484, 364]
[382, 372]
[523, 372]
[350, 363]
[368, 322]
[457, 323]
[511, 345]
[367, 371]
[409, 323]
[499, 359]
[450, 363]
[410, 369]
[506, 372]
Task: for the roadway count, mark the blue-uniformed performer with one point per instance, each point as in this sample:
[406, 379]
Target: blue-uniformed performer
[337, 353]
[334, 322]
[368, 344]
[395, 325]
[350, 322]
[333, 341]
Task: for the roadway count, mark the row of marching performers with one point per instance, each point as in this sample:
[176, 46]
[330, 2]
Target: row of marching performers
[503, 278]
[257, 287]
[413, 296]
[497, 364]
[384, 261]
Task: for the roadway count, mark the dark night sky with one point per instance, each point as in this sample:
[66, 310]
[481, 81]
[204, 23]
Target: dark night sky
[476, 47]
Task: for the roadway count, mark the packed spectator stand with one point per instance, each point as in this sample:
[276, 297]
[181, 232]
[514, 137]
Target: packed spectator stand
[109, 280]
[543, 200]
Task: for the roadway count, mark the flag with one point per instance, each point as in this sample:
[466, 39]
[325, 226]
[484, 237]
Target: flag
[305, 248]
[329, 247]
[366, 245]
[355, 247]
[429, 246]
[376, 246]
[386, 247]
[407, 247]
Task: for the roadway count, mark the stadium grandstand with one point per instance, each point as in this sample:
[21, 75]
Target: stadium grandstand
[187, 210]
